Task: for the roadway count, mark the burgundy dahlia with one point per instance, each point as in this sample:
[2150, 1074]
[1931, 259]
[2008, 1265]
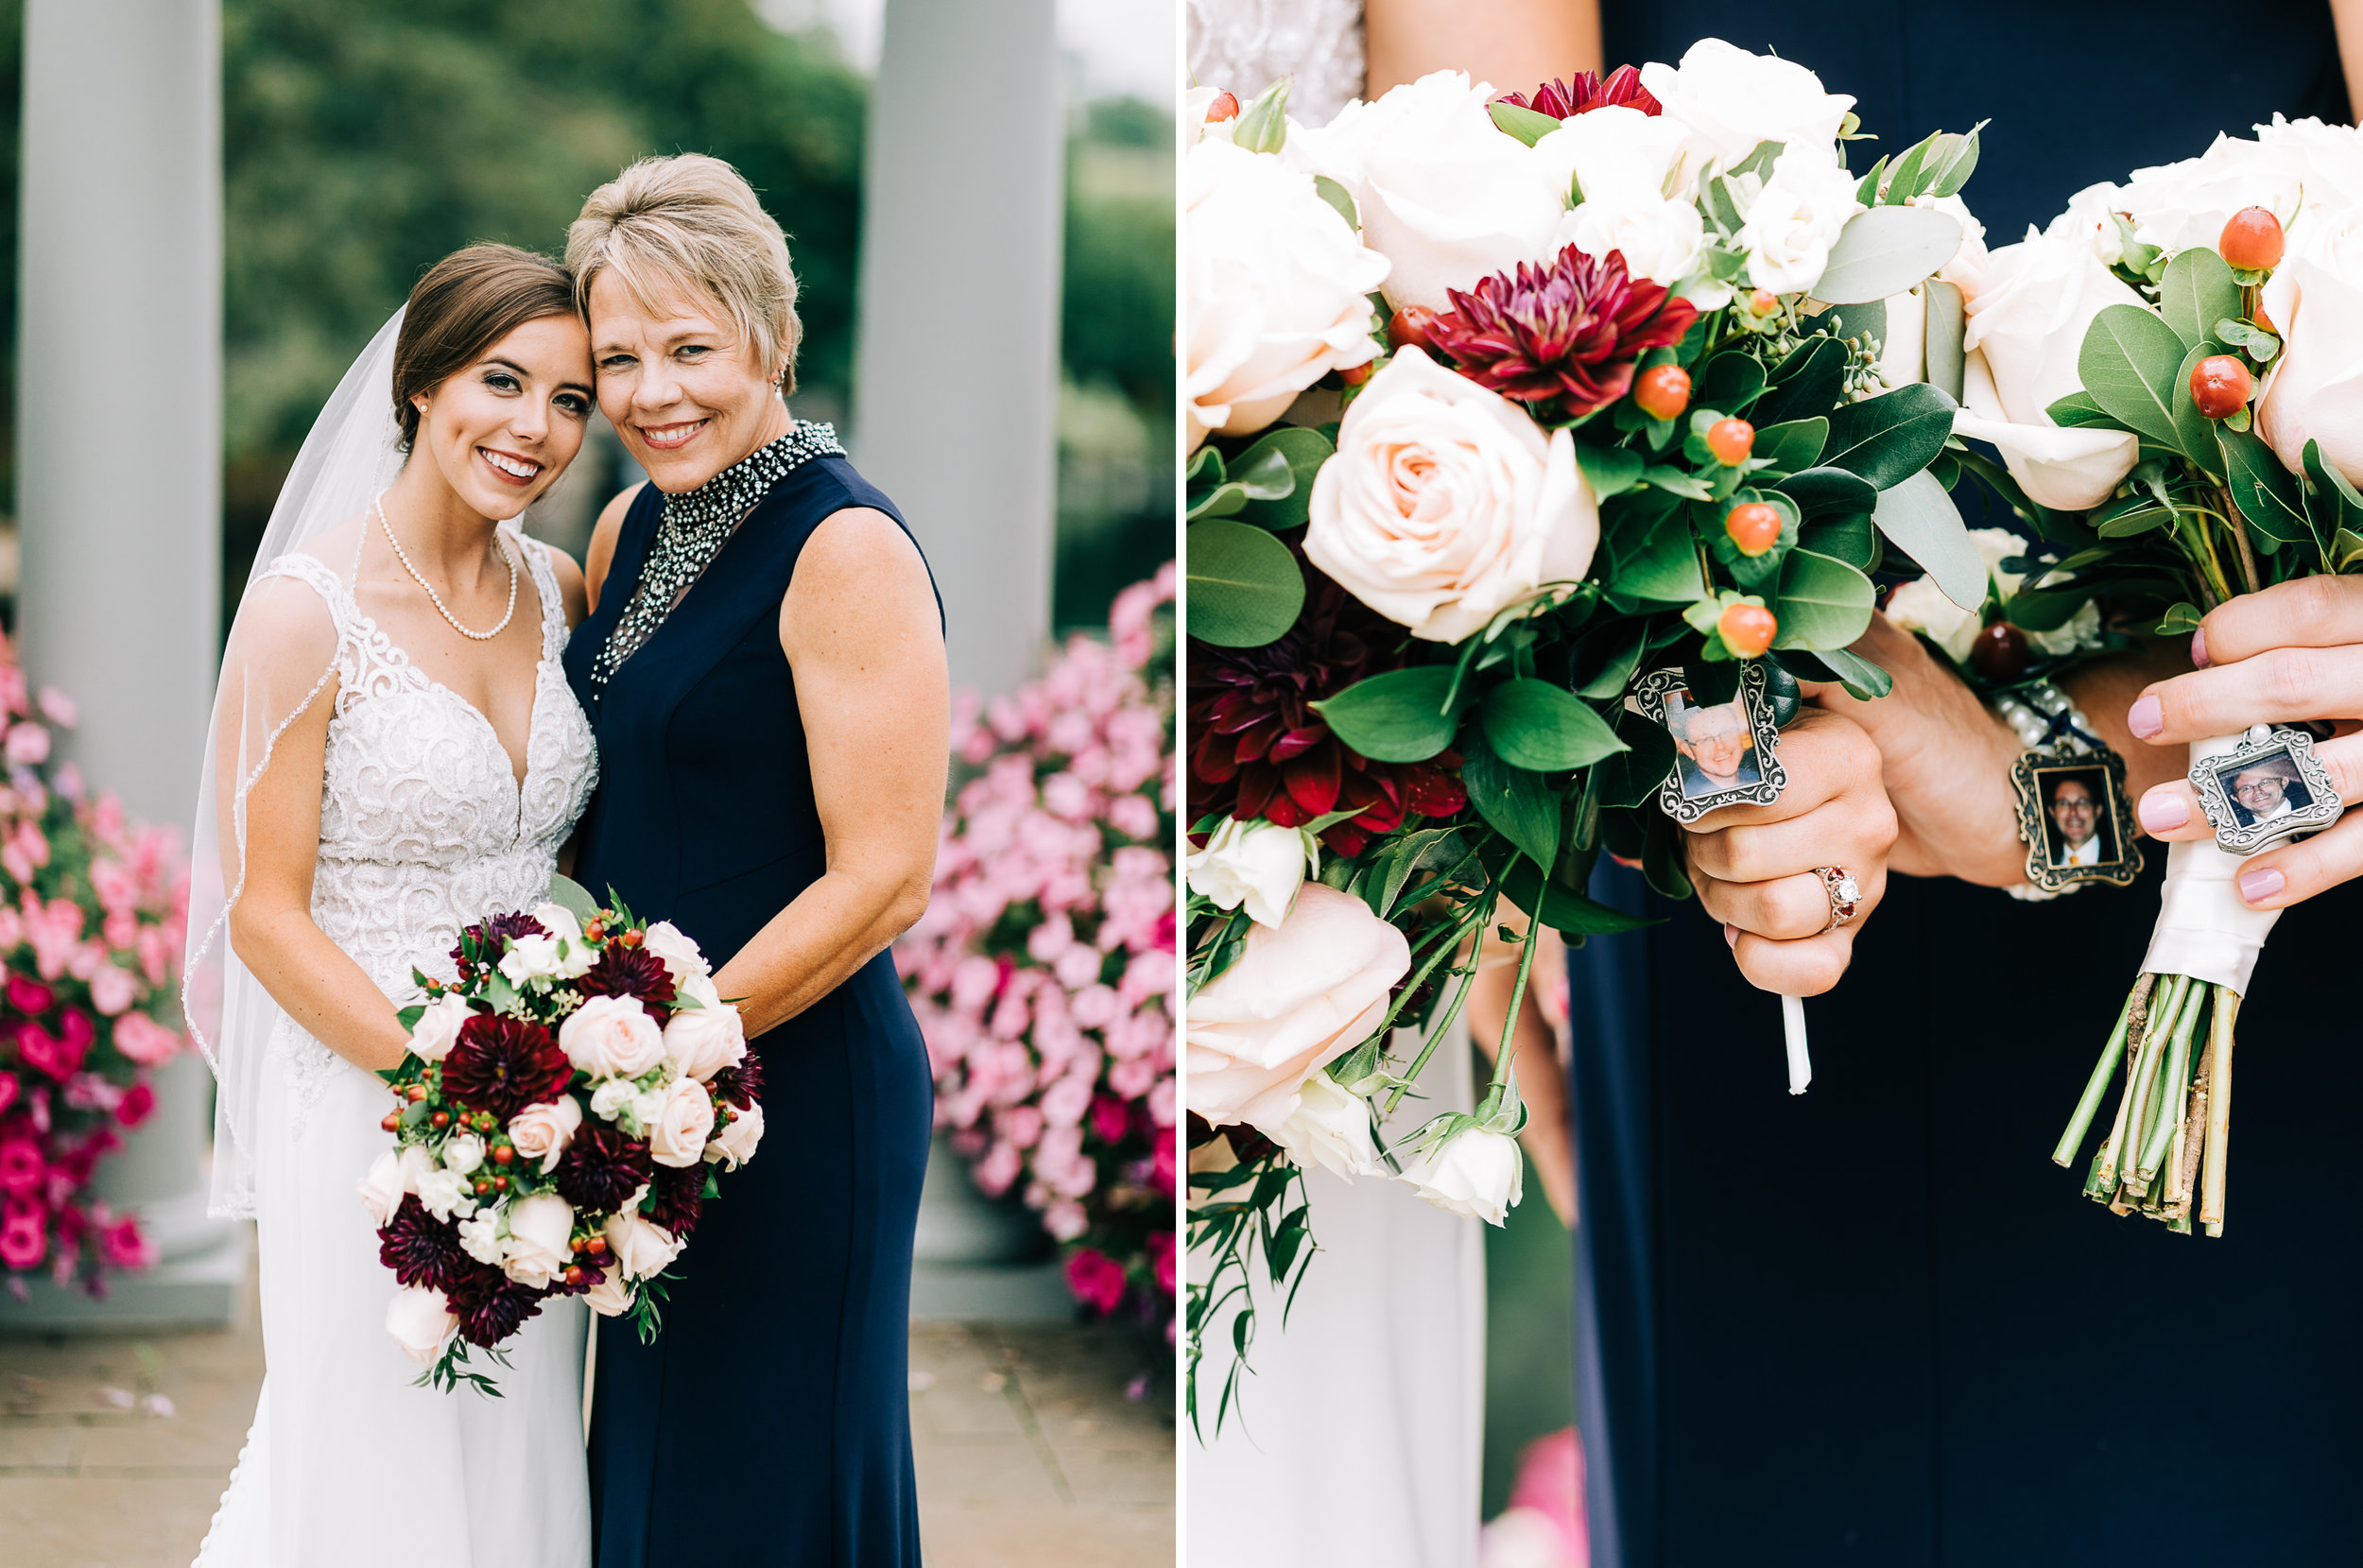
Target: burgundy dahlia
[679, 1193]
[504, 1064]
[602, 1168]
[421, 1250]
[490, 932]
[632, 971]
[1562, 337]
[740, 1084]
[1564, 101]
[489, 1305]
[1258, 750]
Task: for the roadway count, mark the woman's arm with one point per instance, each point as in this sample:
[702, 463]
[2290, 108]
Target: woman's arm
[283, 645]
[1515, 44]
[861, 629]
[572, 593]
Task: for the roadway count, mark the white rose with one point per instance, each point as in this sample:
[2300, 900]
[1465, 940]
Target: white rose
[419, 1319]
[541, 1230]
[610, 1297]
[612, 1098]
[1443, 195]
[543, 1131]
[481, 1236]
[2326, 159]
[1473, 1172]
[1661, 238]
[437, 1028]
[575, 955]
[681, 955]
[463, 1152]
[1731, 101]
[1330, 1127]
[735, 1144]
[1795, 219]
[1921, 606]
[2314, 388]
[1256, 863]
[702, 1040]
[677, 1132]
[445, 1193]
[639, 1247]
[611, 1037]
[382, 1189]
[2176, 206]
[1274, 288]
[1615, 148]
[1445, 504]
[1299, 996]
[2026, 329]
[699, 989]
[530, 958]
[647, 1106]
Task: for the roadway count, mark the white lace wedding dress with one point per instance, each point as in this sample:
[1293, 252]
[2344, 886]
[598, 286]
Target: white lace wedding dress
[423, 829]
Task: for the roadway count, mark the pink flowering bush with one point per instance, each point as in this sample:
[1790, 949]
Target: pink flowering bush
[1043, 972]
[94, 909]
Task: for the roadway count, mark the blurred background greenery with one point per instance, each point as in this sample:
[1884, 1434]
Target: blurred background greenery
[363, 140]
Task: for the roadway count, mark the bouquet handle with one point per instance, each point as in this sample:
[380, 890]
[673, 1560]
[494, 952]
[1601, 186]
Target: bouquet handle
[1793, 1036]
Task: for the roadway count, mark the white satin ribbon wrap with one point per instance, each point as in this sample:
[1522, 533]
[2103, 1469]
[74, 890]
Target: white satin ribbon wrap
[2203, 929]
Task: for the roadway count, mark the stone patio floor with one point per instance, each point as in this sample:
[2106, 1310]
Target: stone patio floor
[1029, 1453]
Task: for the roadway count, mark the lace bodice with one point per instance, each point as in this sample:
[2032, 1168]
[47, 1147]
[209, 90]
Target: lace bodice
[423, 825]
[1245, 45]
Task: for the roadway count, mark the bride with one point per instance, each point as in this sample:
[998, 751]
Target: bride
[395, 753]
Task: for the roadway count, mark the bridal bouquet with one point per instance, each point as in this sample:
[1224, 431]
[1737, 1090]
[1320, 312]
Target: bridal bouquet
[2171, 390]
[1532, 567]
[555, 1124]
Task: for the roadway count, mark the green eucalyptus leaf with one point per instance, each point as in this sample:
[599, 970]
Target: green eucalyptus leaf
[1821, 490]
[1205, 467]
[1300, 451]
[2196, 293]
[1866, 319]
[1663, 570]
[2128, 363]
[1609, 470]
[1677, 481]
[2259, 344]
[1731, 382]
[1398, 716]
[1339, 197]
[1807, 382]
[1517, 802]
[1889, 439]
[1824, 603]
[2135, 521]
[2346, 548]
[1908, 180]
[574, 898]
[2265, 493]
[1245, 589]
[1864, 681]
[1947, 361]
[1920, 520]
[2347, 502]
[2180, 618]
[1867, 192]
[2077, 411]
[2048, 609]
[1792, 446]
[1761, 160]
[1533, 724]
[1960, 161]
[1885, 251]
[1849, 536]
[1563, 910]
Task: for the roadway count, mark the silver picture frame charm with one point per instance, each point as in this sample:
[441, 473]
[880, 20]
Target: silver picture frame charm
[1724, 751]
[2268, 789]
[2074, 819]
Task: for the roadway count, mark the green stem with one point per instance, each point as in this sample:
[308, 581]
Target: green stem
[1508, 1052]
[1427, 1048]
[2165, 1108]
[2095, 1087]
[2163, 1016]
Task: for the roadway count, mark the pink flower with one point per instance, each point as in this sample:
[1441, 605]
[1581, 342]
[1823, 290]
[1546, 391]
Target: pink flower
[1065, 1221]
[1019, 1125]
[59, 707]
[30, 996]
[28, 746]
[1063, 1105]
[1161, 1168]
[92, 1092]
[145, 1041]
[113, 988]
[1097, 1279]
[1111, 1119]
[136, 1103]
[21, 1167]
[48, 1053]
[8, 1090]
[23, 1238]
[123, 1245]
[1161, 1258]
[997, 1169]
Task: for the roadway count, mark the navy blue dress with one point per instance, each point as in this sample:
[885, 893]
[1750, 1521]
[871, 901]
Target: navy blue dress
[1877, 1324]
[771, 1422]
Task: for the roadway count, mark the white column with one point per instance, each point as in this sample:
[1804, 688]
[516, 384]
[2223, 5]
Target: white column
[957, 376]
[118, 448]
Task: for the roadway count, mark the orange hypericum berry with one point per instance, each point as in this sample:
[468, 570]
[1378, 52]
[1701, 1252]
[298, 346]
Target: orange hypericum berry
[1753, 526]
[1763, 302]
[392, 1120]
[1224, 106]
[1355, 375]
[2252, 240]
[1662, 391]
[1408, 327]
[1730, 440]
[1747, 628]
[2220, 385]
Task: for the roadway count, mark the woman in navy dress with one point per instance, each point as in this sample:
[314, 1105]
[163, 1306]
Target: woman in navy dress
[1876, 1324]
[764, 668]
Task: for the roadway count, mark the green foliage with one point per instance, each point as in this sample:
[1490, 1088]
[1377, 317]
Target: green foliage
[1401, 716]
[1824, 603]
[1887, 438]
[1920, 518]
[1886, 250]
[1533, 724]
[2128, 365]
[1244, 588]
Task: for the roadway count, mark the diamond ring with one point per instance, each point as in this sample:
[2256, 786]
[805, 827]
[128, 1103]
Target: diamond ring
[1845, 895]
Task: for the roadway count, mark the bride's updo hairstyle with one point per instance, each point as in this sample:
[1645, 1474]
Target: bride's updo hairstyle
[467, 302]
[688, 227]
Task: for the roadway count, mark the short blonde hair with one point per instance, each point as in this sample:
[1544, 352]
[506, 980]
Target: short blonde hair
[686, 226]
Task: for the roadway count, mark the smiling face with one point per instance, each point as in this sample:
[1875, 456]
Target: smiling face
[2072, 811]
[1716, 740]
[682, 389]
[500, 431]
[2260, 791]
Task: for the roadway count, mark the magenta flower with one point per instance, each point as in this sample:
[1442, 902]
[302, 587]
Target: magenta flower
[136, 1103]
[1564, 101]
[24, 1234]
[30, 996]
[122, 1245]
[504, 1064]
[1097, 1279]
[1562, 339]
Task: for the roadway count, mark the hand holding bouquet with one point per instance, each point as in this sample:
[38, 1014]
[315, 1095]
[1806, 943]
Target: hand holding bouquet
[556, 1127]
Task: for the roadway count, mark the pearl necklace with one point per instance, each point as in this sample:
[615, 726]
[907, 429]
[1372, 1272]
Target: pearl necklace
[404, 557]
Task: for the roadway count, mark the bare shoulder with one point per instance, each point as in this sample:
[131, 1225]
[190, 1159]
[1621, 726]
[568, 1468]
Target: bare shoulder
[858, 569]
[570, 588]
[601, 555]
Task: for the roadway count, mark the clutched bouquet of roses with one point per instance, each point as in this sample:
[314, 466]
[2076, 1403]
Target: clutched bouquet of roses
[1518, 561]
[559, 1122]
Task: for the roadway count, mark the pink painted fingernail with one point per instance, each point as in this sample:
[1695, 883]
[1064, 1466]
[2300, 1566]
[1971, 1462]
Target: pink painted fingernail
[2262, 882]
[2146, 717]
[2199, 647]
[2162, 810]
[1731, 935]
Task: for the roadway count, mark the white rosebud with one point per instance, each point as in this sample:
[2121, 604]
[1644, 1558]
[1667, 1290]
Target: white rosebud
[1731, 101]
[437, 1028]
[1473, 1172]
[702, 1041]
[575, 955]
[463, 1152]
[445, 1193]
[481, 1236]
[1330, 1127]
[639, 1247]
[684, 1120]
[530, 958]
[1256, 863]
[612, 1099]
[1795, 219]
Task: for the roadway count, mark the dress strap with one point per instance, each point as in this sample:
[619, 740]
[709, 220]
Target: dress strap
[537, 556]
